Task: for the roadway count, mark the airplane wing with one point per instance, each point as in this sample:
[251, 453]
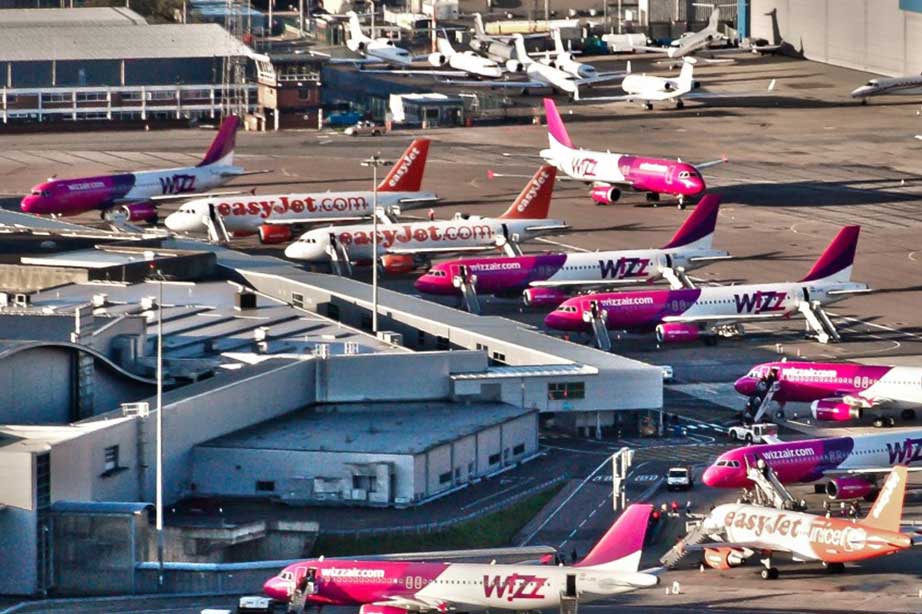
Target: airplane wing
[739, 545]
[184, 196]
[412, 604]
[609, 76]
[863, 470]
[415, 72]
[244, 173]
[307, 220]
[407, 251]
[723, 160]
[741, 317]
[418, 201]
[586, 282]
[550, 228]
[709, 258]
[446, 555]
[700, 94]
[652, 97]
[515, 84]
[854, 291]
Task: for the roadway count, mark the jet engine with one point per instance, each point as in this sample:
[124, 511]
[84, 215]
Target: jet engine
[398, 263]
[696, 85]
[834, 410]
[605, 195]
[515, 66]
[840, 489]
[679, 332]
[139, 212]
[543, 297]
[438, 59]
[723, 558]
[270, 234]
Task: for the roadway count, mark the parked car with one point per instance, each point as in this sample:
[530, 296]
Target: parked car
[364, 128]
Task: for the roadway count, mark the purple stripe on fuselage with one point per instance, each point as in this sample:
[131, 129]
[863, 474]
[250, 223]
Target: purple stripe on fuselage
[497, 275]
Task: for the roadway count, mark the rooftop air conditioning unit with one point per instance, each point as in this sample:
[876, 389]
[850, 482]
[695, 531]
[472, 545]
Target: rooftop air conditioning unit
[22, 300]
[389, 336]
[141, 409]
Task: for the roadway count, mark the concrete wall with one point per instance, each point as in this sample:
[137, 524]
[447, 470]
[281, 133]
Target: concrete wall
[78, 471]
[215, 411]
[869, 35]
[234, 471]
[371, 376]
[47, 399]
[17, 524]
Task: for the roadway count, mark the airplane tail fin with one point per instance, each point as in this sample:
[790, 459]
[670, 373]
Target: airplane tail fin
[622, 545]
[556, 131]
[479, 30]
[222, 147]
[835, 263]
[698, 229]
[444, 46]
[887, 512]
[714, 20]
[686, 75]
[558, 42]
[355, 28]
[407, 174]
[521, 54]
[534, 201]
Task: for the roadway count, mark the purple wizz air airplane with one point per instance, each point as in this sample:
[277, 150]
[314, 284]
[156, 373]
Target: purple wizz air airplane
[849, 464]
[546, 278]
[609, 173]
[841, 391]
[703, 313]
[135, 194]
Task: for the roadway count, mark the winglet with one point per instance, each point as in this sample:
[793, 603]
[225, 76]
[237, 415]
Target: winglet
[835, 263]
[887, 512]
[622, 545]
[407, 174]
[698, 229]
[555, 128]
[222, 147]
[534, 201]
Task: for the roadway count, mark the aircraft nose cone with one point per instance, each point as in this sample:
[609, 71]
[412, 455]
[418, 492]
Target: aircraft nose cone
[711, 477]
[746, 386]
[424, 284]
[28, 203]
[172, 222]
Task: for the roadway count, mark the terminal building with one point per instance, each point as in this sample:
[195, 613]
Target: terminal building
[114, 66]
[275, 390]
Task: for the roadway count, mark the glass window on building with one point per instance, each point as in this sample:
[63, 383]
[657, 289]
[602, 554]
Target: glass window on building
[560, 391]
[111, 458]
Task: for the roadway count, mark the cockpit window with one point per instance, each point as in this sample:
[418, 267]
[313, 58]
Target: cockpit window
[684, 175]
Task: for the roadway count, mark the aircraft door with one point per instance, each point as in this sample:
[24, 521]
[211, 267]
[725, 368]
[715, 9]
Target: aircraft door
[669, 174]
[571, 586]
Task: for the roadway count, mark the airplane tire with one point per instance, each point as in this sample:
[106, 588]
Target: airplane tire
[748, 439]
[702, 567]
[834, 567]
[769, 573]
[891, 421]
[679, 104]
[878, 423]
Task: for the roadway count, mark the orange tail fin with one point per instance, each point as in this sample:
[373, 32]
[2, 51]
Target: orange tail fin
[534, 202]
[887, 512]
[407, 174]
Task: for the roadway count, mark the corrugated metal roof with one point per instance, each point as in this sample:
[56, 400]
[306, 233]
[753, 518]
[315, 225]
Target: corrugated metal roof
[93, 16]
[84, 42]
[527, 371]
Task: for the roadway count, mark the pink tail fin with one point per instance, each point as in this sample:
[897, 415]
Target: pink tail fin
[555, 125]
[407, 174]
[620, 548]
[700, 224]
[223, 144]
[838, 256]
[534, 201]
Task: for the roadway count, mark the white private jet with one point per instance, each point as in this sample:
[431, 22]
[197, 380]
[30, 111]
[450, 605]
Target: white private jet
[899, 86]
[564, 60]
[649, 89]
[462, 64]
[374, 49]
[540, 75]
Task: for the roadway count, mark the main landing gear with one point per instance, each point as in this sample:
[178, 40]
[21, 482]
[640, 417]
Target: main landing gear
[768, 572]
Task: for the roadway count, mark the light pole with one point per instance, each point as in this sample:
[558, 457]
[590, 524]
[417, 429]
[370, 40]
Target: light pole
[374, 162]
[160, 431]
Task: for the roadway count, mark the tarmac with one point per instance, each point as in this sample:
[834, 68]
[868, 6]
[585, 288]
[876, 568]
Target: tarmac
[803, 161]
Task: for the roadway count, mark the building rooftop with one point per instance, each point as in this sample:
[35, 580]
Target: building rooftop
[40, 438]
[92, 16]
[382, 428]
[201, 321]
[101, 42]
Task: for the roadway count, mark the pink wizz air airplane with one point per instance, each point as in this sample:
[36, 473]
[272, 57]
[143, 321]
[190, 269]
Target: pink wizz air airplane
[398, 587]
[544, 279]
[841, 391]
[704, 313]
[851, 465]
[136, 193]
[272, 216]
[609, 173]
[400, 245]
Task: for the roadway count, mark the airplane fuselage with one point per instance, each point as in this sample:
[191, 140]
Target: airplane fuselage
[809, 460]
[75, 196]
[479, 587]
